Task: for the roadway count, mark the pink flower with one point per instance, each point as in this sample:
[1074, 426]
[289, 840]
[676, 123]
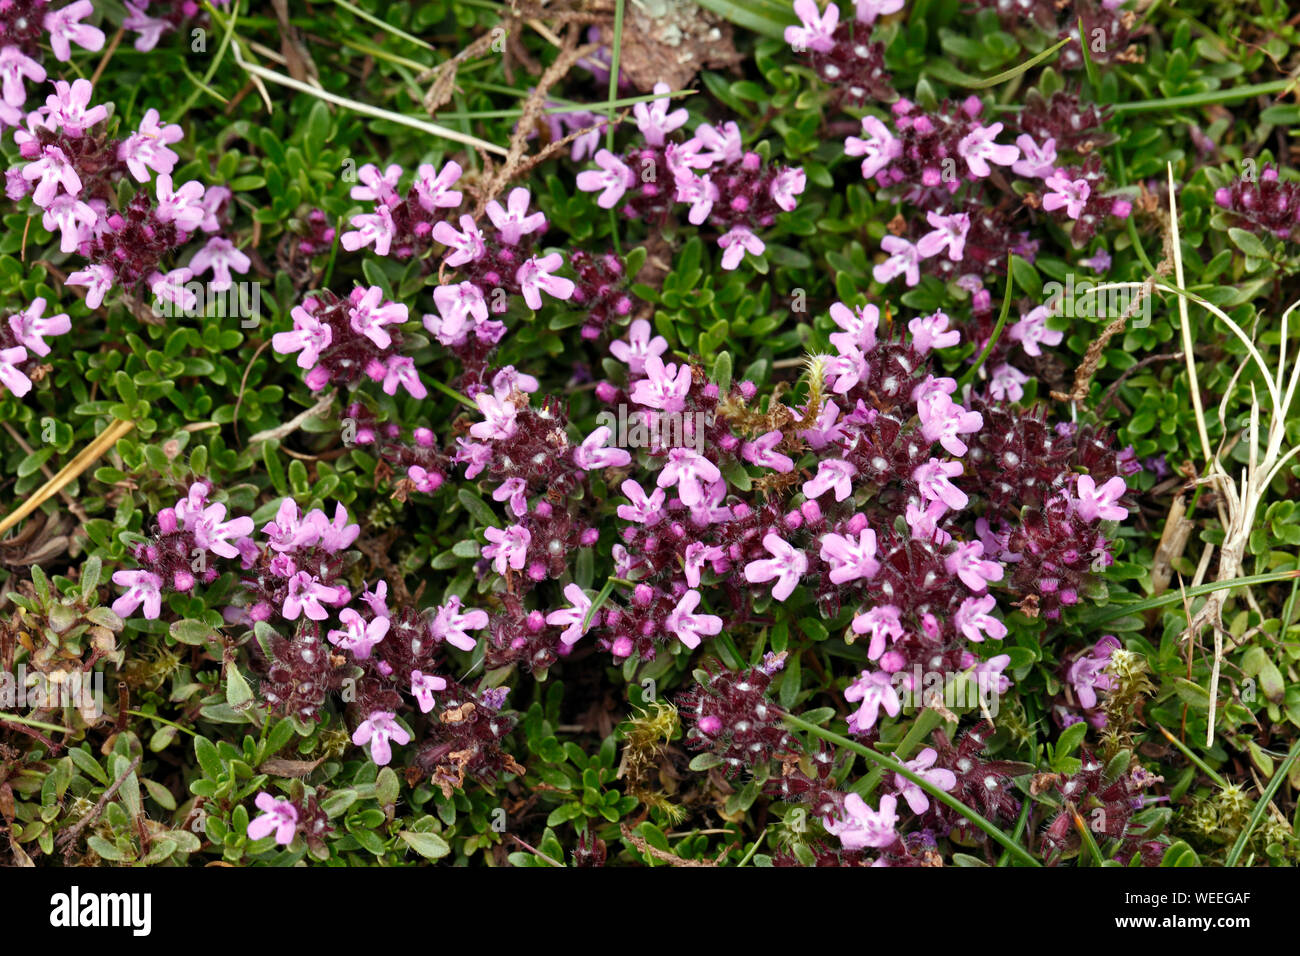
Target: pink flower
[572, 617]
[592, 453]
[861, 826]
[172, 288]
[535, 277]
[279, 816]
[462, 247]
[786, 566]
[1036, 162]
[423, 687]
[921, 766]
[832, 473]
[98, 281]
[508, 548]
[64, 27]
[371, 229]
[762, 452]
[932, 480]
[850, 560]
[310, 336]
[30, 327]
[611, 182]
[1073, 196]
[975, 622]
[653, 119]
[665, 386]
[53, 170]
[698, 191]
[287, 532]
[735, 243]
[515, 491]
[967, 563]
[978, 149]
[693, 560]
[337, 534]
[638, 347]
[459, 306]
[787, 186]
[220, 255]
[1032, 329]
[932, 332]
[452, 625]
[14, 66]
[818, 30]
[859, 325]
[142, 587]
[69, 107]
[377, 186]
[642, 510]
[923, 522]
[1088, 674]
[213, 532]
[689, 626]
[904, 260]
[368, 314]
[377, 730]
[1006, 383]
[150, 28]
[942, 420]
[689, 472]
[183, 206]
[305, 596]
[434, 191]
[499, 418]
[878, 149]
[514, 221]
[874, 690]
[881, 623]
[949, 233]
[1093, 502]
[712, 145]
[868, 10]
[361, 636]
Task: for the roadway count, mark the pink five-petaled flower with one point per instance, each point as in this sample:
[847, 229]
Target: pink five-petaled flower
[513, 220]
[762, 452]
[1036, 162]
[817, 32]
[787, 186]
[52, 169]
[693, 560]
[368, 314]
[968, 563]
[1032, 330]
[361, 636]
[687, 625]
[508, 548]
[643, 510]
[220, 255]
[573, 618]
[975, 622]
[462, 247]
[434, 191]
[1072, 195]
[423, 687]
[942, 420]
[922, 766]
[904, 260]
[832, 473]
[850, 560]
[874, 690]
[1006, 383]
[689, 472]
[337, 534]
[536, 276]
[1088, 674]
[279, 816]
[98, 281]
[786, 566]
[932, 332]
[371, 229]
[1094, 502]
[142, 587]
[452, 624]
[305, 596]
[612, 181]
[592, 453]
[638, 347]
[213, 532]
[30, 326]
[949, 233]
[64, 26]
[664, 387]
[71, 218]
[881, 623]
[861, 826]
[514, 490]
[310, 336]
[288, 532]
[878, 149]
[866, 11]
[459, 305]
[859, 325]
[653, 119]
[978, 149]
[735, 243]
[377, 730]
[932, 480]
[183, 206]
[69, 107]
[499, 418]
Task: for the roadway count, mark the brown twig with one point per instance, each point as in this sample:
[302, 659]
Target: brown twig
[69, 837]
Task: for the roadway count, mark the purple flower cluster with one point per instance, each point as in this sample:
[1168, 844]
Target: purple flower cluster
[1267, 204]
[842, 54]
